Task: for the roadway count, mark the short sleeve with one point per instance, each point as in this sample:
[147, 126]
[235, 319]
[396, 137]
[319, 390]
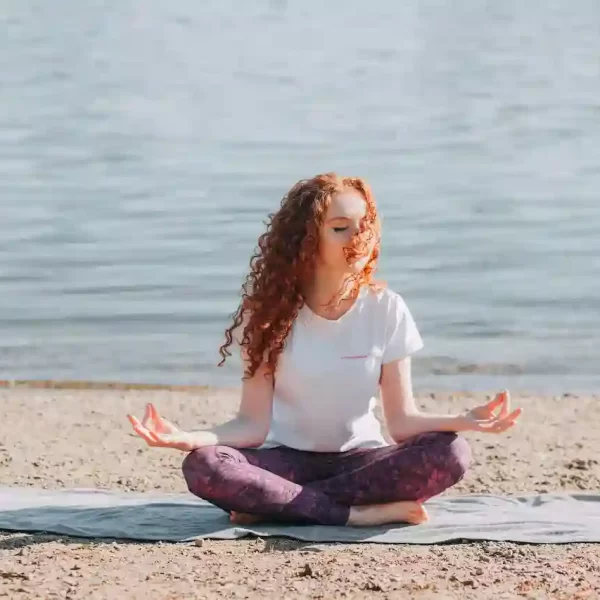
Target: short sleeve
[402, 336]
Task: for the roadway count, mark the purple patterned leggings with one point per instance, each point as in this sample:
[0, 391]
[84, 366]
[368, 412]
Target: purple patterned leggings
[285, 484]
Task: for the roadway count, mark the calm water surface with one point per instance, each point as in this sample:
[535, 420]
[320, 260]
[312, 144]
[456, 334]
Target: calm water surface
[143, 144]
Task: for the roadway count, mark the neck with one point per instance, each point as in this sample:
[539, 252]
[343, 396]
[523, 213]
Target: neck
[328, 288]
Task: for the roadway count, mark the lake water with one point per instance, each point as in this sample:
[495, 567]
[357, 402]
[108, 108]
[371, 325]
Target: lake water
[142, 145]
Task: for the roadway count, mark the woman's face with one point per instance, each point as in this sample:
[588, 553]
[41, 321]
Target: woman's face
[342, 222]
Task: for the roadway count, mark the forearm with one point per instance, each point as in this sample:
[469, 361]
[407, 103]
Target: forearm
[238, 433]
[419, 422]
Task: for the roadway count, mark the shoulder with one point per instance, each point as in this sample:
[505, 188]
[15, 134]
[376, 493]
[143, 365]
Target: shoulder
[386, 301]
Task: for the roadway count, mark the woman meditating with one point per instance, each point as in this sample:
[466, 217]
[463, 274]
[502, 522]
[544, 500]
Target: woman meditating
[320, 341]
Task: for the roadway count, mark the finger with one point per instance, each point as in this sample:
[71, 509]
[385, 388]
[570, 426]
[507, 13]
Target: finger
[147, 416]
[166, 426]
[496, 428]
[486, 411]
[485, 427]
[500, 425]
[486, 422]
[505, 405]
[160, 425]
[157, 418]
[504, 426]
[515, 414]
[491, 426]
[138, 427]
[496, 402]
[153, 411]
[142, 431]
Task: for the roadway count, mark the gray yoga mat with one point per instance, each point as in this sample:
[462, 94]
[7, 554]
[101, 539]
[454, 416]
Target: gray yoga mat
[545, 518]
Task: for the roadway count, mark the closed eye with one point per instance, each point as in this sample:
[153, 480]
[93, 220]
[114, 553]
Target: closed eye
[339, 229]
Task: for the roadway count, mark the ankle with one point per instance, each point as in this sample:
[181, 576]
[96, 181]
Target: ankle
[371, 514]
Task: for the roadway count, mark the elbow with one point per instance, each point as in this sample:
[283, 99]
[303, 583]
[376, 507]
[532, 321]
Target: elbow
[257, 433]
[404, 427]
[399, 435]
[256, 442]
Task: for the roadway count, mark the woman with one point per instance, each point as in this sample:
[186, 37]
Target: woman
[320, 340]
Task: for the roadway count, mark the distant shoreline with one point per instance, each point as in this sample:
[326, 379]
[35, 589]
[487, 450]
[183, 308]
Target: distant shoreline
[75, 384]
[98, 385]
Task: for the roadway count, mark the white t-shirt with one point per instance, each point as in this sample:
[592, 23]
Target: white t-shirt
[327, 378]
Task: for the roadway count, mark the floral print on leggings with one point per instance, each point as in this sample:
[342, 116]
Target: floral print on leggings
[285, 484]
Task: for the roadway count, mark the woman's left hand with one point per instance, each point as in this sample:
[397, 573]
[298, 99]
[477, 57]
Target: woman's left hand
[484, 418]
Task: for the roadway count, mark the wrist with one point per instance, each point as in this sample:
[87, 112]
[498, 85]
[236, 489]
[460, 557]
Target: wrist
[195, 439]
[463, 422]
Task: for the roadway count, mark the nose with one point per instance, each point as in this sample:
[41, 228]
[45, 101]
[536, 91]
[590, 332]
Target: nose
[361, 234]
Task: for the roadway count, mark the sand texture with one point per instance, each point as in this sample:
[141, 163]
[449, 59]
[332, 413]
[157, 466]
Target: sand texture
[56, 438]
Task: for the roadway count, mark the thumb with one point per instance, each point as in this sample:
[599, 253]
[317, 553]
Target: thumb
[505, 406]
[497, 401]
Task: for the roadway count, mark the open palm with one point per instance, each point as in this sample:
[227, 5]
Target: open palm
[495, 416]
[159, 432]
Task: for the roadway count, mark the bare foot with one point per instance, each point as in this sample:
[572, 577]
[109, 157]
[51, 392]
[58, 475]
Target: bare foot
[243, 518]
[362, 516]
[393, 512]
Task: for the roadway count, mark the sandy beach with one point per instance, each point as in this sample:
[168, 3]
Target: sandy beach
[56, 438]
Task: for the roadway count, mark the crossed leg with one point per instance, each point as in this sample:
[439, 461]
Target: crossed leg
[327, 488]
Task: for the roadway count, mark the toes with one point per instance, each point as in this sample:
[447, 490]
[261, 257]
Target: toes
[418, 514]
[243, 518]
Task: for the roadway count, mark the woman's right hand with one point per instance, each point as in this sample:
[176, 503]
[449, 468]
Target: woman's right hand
[160, 433]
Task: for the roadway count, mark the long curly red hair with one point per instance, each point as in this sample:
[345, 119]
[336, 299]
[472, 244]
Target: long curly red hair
[284, 262]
